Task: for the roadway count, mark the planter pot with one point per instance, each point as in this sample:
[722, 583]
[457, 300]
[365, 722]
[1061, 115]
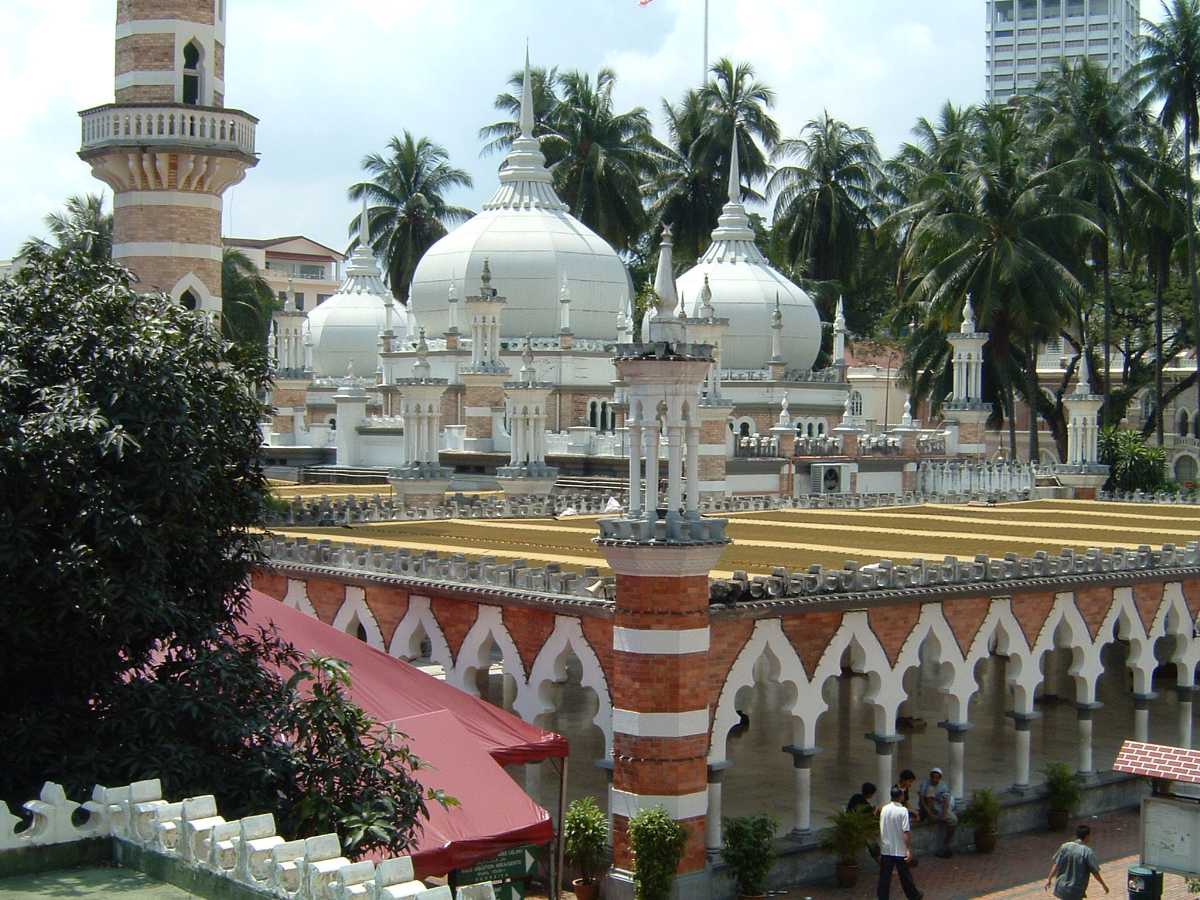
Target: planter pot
[847, 874]
[585, 891]
[1059, 819]
[985, 840]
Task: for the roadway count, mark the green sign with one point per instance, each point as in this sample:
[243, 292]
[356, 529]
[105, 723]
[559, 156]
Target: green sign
[511, 890]
[515, 862]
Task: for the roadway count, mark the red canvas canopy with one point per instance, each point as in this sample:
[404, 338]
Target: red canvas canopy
[464, 740]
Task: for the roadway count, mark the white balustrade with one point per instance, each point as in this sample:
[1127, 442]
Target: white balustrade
[148, 125]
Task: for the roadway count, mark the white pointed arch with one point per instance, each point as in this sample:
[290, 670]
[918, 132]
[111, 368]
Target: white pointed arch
[1175, 619]
[190, 282]
[1064, 617]
[355, 609]
[767, 635]
[1124, 620]
[297, 597]
[419, 620]
[933, 628]
[867, 656]
[549, 667]
[1001, 629]
[488, 626]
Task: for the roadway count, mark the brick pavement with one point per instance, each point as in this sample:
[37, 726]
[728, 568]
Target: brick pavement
[1016, 870]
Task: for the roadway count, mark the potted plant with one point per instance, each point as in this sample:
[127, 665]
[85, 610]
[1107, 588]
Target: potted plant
[749, 852]
[585, 836]
[657, 842]
[983, 813]
[850, 831]
[1063, 793]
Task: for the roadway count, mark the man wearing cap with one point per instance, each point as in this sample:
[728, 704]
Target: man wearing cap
[936, 806]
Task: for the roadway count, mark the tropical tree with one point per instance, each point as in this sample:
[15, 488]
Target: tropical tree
[247, 301]
[82, 227]
[1014, 251]
[1170, 72]
[824, 194]
[408, 209]
[1091, 128]
[735, 98]
[603, 157]
[499, 135]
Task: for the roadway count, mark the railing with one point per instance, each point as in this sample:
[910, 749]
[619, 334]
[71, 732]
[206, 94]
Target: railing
[151, 124]
[756, 446]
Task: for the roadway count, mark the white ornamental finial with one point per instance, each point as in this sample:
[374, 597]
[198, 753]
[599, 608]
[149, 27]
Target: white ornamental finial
[349, 373]
[664, 277]
[777, 314]
[364, 229]
[785, 416]
[526, 121]
[452, 292]
[735, 176]
[682, 314]
[706, 307]
[906, 416]
[289, 304]
[421, 368]
[1084, 386]
[846, 410]
[527, 372]
[968, 322]
[839, 317]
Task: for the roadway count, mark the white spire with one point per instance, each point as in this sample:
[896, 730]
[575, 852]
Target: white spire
[528, 374]
[839, 317]
[564, 306]
[421, 368]
[968, 322]
[526, 122]
[735, 175]
[289, 304]
[733, 238]
[706, 307]
[785, 415]
[1083, 387]
[364, 230]
[664, 277]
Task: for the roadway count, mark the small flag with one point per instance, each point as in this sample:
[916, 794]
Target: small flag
[645, 2]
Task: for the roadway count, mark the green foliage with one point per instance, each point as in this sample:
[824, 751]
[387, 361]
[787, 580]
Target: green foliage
[82, 227]
[130, 491]
[247, 302]
[1133, 465]
[657, 842]
[850, 831]
[983, 811]
[585, 837]
[1063, 789]
[749, 850]
[644, 301]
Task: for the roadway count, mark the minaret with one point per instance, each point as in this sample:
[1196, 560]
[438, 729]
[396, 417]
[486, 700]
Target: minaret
[168, 148]
[1083, 470]
[839, 338]
[708, 328]
[421, 481]
[483, 380]
[776, 364]
[526, 401]
[965, 410]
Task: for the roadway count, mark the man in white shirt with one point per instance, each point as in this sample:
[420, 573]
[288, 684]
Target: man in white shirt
[895, 848]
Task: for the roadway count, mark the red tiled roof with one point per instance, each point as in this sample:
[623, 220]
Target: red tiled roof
[1159, 761]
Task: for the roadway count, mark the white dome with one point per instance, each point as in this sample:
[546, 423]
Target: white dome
[532, 243]
[744, 287]
[344, 330]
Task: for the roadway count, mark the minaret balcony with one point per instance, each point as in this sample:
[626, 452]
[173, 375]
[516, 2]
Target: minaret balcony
[163, 126]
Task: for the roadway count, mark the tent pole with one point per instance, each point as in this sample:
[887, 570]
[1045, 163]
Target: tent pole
[562, 816]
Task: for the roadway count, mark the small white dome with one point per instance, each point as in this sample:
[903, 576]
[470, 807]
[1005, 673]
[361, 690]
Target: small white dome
[744, 287]
[344, 330]
[532, 243]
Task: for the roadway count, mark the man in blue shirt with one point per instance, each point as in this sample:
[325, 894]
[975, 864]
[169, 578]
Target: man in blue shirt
[1075, 863]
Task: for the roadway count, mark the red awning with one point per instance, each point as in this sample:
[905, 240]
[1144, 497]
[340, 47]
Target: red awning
[463, 739]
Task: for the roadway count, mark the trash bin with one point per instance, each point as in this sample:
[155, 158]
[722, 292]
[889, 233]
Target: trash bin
[1144, 883]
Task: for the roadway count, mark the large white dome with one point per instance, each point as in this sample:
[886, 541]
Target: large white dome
[744, 288]
[344, 330]
[532, 243]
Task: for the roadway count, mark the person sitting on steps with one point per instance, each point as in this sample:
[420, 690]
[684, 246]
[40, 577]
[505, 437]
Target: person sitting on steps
[937, 807]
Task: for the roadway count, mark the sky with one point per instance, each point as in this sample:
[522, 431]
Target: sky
[333, 80]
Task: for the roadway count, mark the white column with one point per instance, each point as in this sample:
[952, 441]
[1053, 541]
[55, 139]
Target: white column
[435, 420]
[1185, 694]
[802, 785]
[1021, 762]
[635, 468]
[693, 468]
[1083, 711]
[539, 437]
[712, 823]
[885, 746]
[1141, 716]
[957, 733]
[651, 433]
[674, 468]
[494, 341]
[514, 429]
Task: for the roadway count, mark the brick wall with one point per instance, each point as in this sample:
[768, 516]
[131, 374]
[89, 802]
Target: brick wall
[145, 53]
[892, 625]
[189, 10]
[162, 273]
[179, 224]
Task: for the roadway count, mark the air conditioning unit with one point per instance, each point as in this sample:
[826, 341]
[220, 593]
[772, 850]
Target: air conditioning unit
[830, 478]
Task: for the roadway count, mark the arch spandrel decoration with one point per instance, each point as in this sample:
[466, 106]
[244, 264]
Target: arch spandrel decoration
[297, 597]
[419, 620]
[488, 626]
[355, 609]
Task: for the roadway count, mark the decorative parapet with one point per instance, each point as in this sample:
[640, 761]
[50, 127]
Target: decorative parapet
[454, 569]
[983, 573]
[247, 852]
[1188, 497]
[151, 125]
[669, 530]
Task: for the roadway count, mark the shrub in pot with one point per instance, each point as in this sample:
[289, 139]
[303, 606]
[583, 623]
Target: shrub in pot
[657, 842]
[850, 831]
[983, 814]
[1063, 794]
[749, 852]
[585, 836]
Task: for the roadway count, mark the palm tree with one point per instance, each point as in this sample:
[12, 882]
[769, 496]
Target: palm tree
[500, 135]
[247, 301]
[408, 210]
[603, 157]
[1014, 252]
[82, 227]
[1170, 70]
[824, 194]
[684, 190]
[733, 95]
[1091, 127]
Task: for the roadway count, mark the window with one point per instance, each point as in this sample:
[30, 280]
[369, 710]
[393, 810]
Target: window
[309, 271]
[191, 73]
[1005, 33]
[321, 298]
[1004, 11]
[1074, 7]
[299, 300]
[856, 403]
[744, 429]
[188, 300]
[1185, 471]
[1029, 9]
[1098, 7]
[1051, 9]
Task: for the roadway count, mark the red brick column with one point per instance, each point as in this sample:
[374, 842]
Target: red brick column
[660, 689]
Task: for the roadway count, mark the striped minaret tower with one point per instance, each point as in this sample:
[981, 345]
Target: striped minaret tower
[168, 148]
[662, 552]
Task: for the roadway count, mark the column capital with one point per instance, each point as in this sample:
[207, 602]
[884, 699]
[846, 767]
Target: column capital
[802, 757]
[1186, 693]
[883, 742]
[1021, 720]
[956, 731]
[607, 766]
[716, 771]
[1142, 701]
[1084, 710]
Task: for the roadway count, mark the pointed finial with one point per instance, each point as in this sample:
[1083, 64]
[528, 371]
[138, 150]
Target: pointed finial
[1085, 374]
[526, 121]
[364, 230]
[421, 368]
[350, 371]
[777, 314]
[906, 419]
[664, 277]
[485, 279]
[289, 303]
[422, 347]
[785, 415]
[706, 308]
[968, 322]
[682, 316]
[564, 292]
[839, 317]
[452, 292]
[846, 409]
[735, 176]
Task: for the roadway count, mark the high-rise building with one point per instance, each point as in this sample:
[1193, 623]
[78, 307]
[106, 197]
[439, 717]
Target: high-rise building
[1027, 38]
[168, 147]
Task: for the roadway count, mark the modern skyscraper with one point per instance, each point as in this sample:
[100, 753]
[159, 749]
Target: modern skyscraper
[1027, 38]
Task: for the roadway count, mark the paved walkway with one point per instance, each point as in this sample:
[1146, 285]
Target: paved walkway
[1017, 869]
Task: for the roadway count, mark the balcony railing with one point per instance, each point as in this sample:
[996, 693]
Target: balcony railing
[150, 124]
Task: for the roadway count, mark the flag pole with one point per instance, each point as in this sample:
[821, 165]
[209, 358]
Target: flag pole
[704, 75]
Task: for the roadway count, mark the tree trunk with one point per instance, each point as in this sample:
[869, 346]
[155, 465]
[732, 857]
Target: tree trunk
[1191, 242]
[1010, 400]
[1106, 386]
[1033, 389]
[1158, 360]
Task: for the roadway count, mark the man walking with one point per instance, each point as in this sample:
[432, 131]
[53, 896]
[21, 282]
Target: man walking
[937, 806]
[1074, 864]
[895, 848]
